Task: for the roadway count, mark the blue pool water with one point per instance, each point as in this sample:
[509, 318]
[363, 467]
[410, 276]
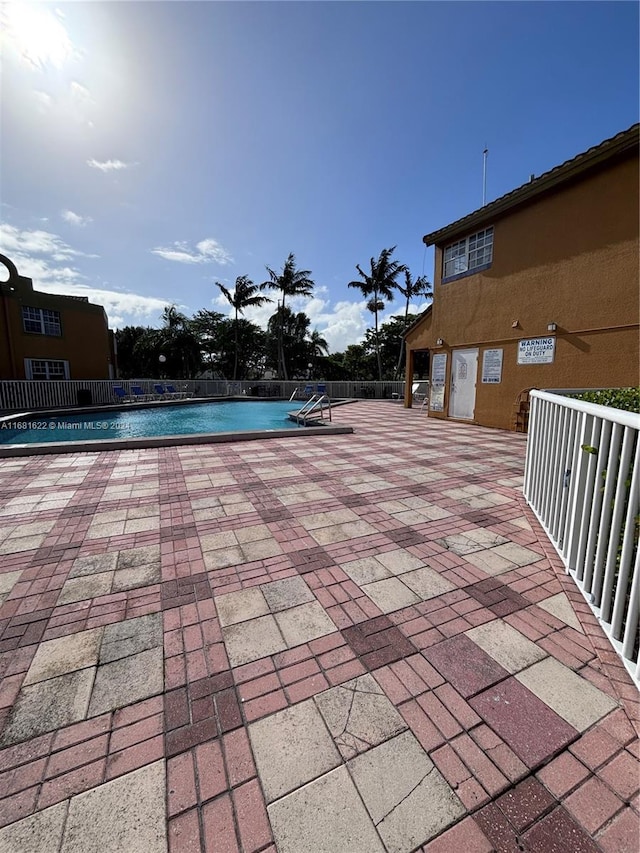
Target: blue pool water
[171, 420]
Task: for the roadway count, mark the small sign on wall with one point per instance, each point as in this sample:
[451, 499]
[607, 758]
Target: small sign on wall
[438, 379]
[536, 350]
[492, 366]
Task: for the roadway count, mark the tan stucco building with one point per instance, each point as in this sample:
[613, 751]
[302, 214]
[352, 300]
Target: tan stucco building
[47, 336]
[538, 289]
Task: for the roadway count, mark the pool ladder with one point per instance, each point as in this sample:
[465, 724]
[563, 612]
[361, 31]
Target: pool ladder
[316, 406]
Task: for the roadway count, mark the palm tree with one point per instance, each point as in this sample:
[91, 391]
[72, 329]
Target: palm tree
[206, 327]
[173, 319]
[411, 290]
[377, 286]
[318, 346]
[245, 295]
[290, 282]
[178, 343]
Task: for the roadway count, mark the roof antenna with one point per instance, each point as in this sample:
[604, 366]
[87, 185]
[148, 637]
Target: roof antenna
[484, 175]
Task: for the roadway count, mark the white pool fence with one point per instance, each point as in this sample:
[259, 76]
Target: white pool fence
[582, 480]
[30, 395]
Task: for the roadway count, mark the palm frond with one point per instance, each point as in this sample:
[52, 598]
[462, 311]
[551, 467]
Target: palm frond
[375, 305]
[318, 343]
[255, 301]
[385, 289]
[226, 293]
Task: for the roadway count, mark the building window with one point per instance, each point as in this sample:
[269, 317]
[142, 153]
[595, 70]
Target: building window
[41, 321]
[44, 368]
[470, 254]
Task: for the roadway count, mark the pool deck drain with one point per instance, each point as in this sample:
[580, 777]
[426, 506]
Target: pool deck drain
[350, 643]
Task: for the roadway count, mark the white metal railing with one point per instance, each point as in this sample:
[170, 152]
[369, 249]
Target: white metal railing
[582, 480]
[337, 390]
[26, 395]
[316, 406]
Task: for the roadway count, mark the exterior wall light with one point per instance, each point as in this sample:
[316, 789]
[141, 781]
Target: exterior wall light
[551, 327]
[439, 342]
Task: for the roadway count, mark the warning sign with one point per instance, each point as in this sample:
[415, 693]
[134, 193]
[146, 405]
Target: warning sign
[536, 350]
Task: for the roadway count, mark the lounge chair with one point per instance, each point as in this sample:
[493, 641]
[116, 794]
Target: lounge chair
[159, 392]
[308, 391]
[420, 396]
[321, 387]
[121, 394]
[139, 393]
[173, 393]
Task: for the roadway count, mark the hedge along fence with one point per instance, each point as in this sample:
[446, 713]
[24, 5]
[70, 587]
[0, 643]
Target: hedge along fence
[627, 399]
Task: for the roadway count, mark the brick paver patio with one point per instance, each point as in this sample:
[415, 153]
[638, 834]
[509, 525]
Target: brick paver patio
[348, 644]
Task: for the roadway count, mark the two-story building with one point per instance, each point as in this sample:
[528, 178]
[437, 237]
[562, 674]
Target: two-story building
[47, 336]
[538, 289]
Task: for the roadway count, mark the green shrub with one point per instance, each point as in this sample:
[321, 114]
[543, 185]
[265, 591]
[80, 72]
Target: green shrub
[618, 398]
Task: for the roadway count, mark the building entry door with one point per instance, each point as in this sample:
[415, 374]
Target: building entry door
[464, 372]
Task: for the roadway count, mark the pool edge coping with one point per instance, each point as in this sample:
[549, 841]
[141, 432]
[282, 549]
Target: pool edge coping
[141, 443]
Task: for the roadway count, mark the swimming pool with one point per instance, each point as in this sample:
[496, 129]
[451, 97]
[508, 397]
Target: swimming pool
[164, 420]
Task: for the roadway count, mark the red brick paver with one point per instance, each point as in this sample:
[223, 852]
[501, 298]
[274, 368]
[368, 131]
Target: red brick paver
[234, 517]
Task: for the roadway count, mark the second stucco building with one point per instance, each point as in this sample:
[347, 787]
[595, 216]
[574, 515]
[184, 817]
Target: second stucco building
[538, 289]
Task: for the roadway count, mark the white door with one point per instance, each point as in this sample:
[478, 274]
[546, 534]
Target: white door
[464, 372]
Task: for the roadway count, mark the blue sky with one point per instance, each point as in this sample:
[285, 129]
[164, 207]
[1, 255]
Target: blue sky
[150, 149]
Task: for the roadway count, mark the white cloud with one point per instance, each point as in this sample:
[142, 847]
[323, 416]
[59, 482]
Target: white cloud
[122, 308]
[43, 99]
[212, 249]
[43, 272]
[109, 165]
[35, 36]
[71, 103]
[181, 255]
[205, 252]
[80, 103]
[80, 92]
[75, 218]
[39, 255]
[342, 324]
[38, 242]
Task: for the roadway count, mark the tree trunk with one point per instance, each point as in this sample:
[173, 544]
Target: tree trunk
[235, 358]
[282, 367]
[378, 356]
[400, 359]
[400, 356]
